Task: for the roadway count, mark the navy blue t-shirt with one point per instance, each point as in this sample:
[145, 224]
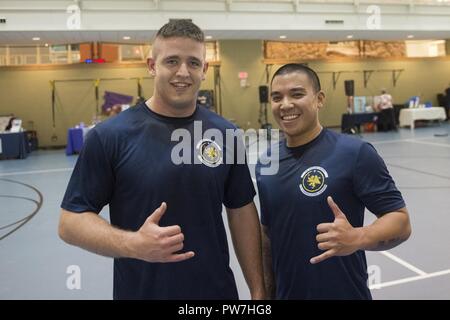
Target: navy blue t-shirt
[293, 203]
[127, 162]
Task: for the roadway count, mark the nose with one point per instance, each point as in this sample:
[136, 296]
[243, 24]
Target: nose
[286, 104]
[183, 70]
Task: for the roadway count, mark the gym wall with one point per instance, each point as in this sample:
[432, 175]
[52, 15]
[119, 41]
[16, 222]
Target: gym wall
[423, 77]
[241, 104]
[27, 93]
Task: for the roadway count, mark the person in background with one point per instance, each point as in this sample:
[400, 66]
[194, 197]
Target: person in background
[114, 110]
[386, 118]
[385, 100]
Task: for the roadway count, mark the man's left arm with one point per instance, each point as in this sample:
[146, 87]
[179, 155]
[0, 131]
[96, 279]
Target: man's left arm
[386, 232]
[246, 235]
[340, 238]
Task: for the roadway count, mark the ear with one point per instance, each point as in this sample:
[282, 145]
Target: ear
[320, 99]
[151, 64]
[205, 68]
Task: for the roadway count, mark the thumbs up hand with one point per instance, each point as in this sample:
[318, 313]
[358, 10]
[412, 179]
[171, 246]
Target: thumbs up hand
[153, 243]
[338, 238]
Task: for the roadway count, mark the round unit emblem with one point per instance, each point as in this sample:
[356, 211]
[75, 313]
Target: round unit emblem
[313, 181]
[209, 153]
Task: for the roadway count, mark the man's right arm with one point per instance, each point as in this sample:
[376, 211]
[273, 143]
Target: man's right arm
[269, 277]
[150, 243]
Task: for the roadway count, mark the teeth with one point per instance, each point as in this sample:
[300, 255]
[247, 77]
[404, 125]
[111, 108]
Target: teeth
[290, 117]
[180, 85]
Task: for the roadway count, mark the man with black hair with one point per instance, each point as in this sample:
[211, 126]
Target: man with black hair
[312, 209]
[179, 251]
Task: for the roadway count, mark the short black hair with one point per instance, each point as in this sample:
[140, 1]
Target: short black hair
[184, 28]
[301, 68]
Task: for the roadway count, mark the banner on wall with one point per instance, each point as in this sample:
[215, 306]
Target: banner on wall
[114, 98]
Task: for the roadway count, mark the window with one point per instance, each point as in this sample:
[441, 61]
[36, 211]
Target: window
[134, 53]
[31, 55]
[22, 55]
[425, 48]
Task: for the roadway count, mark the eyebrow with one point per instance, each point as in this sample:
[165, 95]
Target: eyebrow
[195, 58]
[274, 93]
[300, 88]
[172, 57]
[179, 58]
[290, 90]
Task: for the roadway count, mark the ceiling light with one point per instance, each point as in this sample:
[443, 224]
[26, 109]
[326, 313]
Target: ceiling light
[350, 36]
[208, 37]
[283, 37]
[410, 36]
[36, 38]
[46, 44]
[126, 38]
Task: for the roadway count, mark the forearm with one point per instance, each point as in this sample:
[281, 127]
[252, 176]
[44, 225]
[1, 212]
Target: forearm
[269, 278]
[91, 232]
[386, 232]
[246, 235]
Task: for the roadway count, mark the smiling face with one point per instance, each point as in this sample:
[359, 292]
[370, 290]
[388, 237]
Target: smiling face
[295, 107]
[179, 67]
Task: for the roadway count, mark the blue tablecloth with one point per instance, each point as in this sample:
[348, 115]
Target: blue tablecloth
[14, 145]
[74, 141]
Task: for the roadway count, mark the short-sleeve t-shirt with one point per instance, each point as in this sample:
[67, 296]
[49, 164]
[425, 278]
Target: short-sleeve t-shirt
[139, 159]
[293, 203]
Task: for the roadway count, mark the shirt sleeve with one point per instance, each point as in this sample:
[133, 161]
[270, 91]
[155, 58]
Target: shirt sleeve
[91, 184]
[373, 184]
[239, 189]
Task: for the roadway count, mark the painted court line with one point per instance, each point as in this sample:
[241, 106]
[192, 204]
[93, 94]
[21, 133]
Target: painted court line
[389, 141]
[34, 172]
[410, 279]
[419, 171]
[403, 263]
[399, 140]
[430, 143]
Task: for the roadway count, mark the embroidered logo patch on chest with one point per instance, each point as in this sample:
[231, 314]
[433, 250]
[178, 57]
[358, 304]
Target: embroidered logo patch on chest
[313, 181]
[209, 153]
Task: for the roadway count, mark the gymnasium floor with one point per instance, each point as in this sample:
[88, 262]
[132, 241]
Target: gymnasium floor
[36, 264]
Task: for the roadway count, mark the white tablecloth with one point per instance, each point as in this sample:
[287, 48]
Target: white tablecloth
[408, 116]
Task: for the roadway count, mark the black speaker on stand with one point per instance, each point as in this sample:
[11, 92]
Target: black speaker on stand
[263, 94]
[349, 92]
[263, 119]
[349, 88]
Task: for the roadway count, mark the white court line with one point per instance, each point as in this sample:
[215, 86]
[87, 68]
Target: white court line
[399, 140]
[404, 263]
[430, 143]
[389, 141]
[34, 172]
[410, 279]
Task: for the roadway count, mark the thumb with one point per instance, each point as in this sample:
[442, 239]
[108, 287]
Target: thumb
[158, 213]
[334, 207]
